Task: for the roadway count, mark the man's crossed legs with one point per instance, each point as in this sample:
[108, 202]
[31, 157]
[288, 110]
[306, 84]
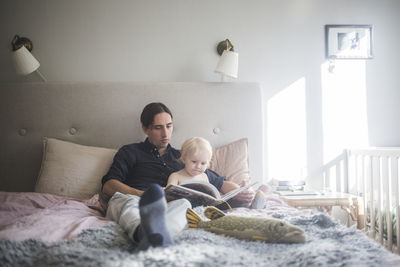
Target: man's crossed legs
[149, 220]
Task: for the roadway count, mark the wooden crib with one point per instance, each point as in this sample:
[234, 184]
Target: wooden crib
[373, 175]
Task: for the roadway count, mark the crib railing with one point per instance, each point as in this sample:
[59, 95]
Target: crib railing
[372, 174]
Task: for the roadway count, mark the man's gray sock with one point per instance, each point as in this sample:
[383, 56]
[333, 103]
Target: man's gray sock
[153, 229]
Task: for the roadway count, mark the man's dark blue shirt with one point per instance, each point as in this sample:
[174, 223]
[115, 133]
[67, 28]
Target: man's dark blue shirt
[139, 165]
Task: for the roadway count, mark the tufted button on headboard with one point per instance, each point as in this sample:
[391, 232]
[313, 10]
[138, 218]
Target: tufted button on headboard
[73, 131]
[22, 132]
[216, 130]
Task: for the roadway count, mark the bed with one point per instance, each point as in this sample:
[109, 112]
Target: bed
[58, 139]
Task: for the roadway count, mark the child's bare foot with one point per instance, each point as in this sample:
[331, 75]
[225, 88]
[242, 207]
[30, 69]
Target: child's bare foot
[266, 189]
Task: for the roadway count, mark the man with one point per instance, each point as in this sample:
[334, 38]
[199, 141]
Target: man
[135, 179]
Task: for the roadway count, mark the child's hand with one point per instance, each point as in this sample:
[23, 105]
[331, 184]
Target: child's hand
[246, 196]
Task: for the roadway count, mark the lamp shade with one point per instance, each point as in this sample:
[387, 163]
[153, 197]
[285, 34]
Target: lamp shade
[228, 64]
[24, 62]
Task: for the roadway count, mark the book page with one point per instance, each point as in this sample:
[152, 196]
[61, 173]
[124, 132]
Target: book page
[233, 193]
[202, 186]
[195, 197]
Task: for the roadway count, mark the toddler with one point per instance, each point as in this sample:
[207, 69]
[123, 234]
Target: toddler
[196, 154]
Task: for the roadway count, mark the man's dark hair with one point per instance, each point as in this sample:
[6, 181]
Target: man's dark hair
[150, 111]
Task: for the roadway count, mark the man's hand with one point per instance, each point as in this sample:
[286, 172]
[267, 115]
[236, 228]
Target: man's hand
[113, 185]
[246, 196]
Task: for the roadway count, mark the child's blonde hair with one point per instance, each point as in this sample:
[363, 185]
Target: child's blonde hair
[194, 145]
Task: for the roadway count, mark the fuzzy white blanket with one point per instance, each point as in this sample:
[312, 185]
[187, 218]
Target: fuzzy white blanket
[328, 244]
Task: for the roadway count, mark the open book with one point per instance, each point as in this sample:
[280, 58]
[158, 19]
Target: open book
[201, 193]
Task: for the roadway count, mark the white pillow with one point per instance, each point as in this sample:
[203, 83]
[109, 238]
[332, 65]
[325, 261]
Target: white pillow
[72, 170]
[232, 161]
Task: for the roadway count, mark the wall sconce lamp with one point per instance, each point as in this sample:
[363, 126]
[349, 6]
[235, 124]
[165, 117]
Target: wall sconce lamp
[229, 60]
[24, 62]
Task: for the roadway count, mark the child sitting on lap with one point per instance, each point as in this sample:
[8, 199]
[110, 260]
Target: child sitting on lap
[196, 154]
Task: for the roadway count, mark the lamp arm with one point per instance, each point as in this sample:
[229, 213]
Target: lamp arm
[228, 45]
[41, 75]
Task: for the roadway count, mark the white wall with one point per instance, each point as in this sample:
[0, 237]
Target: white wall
[279, 42]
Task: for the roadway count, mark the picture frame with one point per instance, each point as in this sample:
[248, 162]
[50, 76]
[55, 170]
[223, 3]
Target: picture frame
[348, 41]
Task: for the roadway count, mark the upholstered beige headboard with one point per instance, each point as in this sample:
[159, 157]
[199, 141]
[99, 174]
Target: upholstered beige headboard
[107, 115]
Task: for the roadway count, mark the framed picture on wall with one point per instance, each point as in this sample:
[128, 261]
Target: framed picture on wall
[348, 41]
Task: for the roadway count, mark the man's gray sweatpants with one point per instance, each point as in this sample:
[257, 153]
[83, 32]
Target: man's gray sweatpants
[124, 210]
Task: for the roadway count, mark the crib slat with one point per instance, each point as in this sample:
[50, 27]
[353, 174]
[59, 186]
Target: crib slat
[356, 175]
[394, 166]
[338, 178]
[346, 172]
[387, 200]
[371, 198]
[378, 179]
[365, 196]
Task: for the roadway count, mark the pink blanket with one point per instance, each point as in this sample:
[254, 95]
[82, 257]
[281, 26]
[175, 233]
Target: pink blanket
[47, 217]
